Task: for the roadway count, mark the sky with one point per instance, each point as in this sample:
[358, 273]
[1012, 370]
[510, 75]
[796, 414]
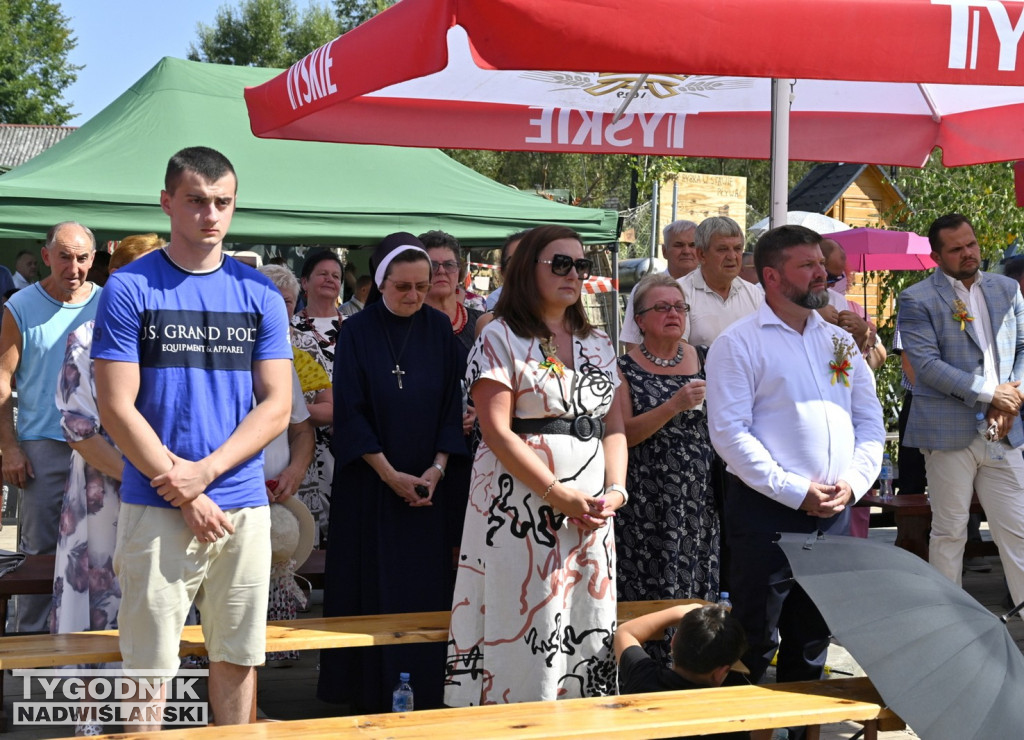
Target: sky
[120, 40]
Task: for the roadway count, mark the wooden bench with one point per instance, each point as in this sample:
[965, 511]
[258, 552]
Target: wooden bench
[35, 576]
[913, 515]
[656, 715]
[47, 651]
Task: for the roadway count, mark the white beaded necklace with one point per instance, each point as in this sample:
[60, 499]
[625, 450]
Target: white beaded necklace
[662, 362]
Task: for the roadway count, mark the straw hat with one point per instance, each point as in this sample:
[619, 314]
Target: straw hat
[291, 531]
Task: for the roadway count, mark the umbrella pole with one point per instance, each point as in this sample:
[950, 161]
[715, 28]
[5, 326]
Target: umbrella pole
[1014, 611]
[864, 281]
[779, 153]
[614, 333]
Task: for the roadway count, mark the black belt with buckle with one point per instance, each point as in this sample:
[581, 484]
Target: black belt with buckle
[582, 427]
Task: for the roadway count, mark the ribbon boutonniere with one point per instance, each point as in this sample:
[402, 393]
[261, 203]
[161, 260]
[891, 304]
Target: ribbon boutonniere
[960, 314]
[839, 367]
[551, 362]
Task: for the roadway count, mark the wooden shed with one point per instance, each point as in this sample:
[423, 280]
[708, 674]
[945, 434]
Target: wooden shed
[856, 194]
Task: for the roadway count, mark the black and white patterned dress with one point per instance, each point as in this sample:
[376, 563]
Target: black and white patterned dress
[534, 608]
[667, 537]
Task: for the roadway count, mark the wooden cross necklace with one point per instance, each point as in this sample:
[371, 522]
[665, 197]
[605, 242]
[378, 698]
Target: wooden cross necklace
[398, 372]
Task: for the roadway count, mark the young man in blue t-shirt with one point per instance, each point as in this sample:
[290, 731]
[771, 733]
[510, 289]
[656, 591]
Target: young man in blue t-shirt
[184, 340]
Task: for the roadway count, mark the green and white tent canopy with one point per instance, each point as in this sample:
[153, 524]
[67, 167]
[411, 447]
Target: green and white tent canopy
[108, 175]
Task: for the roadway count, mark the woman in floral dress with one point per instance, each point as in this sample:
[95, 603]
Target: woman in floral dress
[534, 608]
[315, 330]
[86, 594]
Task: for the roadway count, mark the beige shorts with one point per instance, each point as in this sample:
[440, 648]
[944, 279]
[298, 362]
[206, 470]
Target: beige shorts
[162, 568]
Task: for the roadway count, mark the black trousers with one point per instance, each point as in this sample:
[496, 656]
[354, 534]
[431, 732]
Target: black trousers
[774, 610]
[913, 478]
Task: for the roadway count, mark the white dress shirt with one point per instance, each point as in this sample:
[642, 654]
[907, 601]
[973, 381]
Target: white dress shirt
[492, 298]
[277, 455]
[838, 301]
[351, 307]
[776, 418]
[977, 307]
[709, 313]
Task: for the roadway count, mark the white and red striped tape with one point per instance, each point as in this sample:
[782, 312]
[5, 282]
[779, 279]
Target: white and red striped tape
[598, 284]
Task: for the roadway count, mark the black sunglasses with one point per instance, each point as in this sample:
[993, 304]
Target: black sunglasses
[562, 263]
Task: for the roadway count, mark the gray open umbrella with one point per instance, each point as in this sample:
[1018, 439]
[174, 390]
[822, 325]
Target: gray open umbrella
[941, 660]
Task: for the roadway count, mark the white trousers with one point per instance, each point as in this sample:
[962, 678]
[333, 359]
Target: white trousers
[953, 475]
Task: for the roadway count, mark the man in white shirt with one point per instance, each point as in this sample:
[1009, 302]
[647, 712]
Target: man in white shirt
[26, 269]
[356, 303]
[848, 314]
[680, 251]
[963, 332]
[507, 250]
[793, 412]
[715, 292]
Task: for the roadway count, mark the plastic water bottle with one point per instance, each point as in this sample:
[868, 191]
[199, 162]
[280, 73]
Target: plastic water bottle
[993, 447]
[885, 479]
[401, 699]
[723, 600]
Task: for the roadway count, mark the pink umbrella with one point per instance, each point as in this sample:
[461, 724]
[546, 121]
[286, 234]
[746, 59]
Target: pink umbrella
[868, 250]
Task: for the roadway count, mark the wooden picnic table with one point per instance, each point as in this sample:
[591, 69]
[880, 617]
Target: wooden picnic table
[913, 515]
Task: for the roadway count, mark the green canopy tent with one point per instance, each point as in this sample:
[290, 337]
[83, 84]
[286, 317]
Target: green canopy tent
[109, 173]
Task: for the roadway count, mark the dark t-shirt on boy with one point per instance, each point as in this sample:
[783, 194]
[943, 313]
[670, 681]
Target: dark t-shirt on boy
[640, 674]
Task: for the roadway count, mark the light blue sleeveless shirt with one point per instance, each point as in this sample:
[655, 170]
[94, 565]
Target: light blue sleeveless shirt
[45, 324]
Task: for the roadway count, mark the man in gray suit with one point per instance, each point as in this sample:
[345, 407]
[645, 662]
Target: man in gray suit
[963, 331]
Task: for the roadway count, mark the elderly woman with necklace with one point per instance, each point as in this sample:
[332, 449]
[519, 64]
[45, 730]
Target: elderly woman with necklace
[315, 330]
[667, 536]
[397, 419]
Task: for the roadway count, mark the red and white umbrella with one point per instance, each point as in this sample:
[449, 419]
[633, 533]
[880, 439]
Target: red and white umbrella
[872, 81]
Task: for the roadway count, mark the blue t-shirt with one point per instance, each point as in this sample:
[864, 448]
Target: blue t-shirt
[44, 323]
[195, 337]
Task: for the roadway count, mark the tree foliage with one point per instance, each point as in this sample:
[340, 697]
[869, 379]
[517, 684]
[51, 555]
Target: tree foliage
[983, 193]
[593, 180]
[264, 33]
[351, 13]
[35, 40]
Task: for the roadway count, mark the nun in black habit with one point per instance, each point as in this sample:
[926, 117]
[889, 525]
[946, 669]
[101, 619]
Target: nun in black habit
[397, 419]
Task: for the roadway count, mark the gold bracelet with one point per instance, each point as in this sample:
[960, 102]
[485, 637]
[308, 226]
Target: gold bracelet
[544, 496]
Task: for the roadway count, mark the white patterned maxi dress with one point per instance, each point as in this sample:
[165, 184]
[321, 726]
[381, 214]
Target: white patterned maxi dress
[534, 608]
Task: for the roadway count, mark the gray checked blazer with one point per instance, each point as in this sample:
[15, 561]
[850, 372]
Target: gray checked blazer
[947, 360]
